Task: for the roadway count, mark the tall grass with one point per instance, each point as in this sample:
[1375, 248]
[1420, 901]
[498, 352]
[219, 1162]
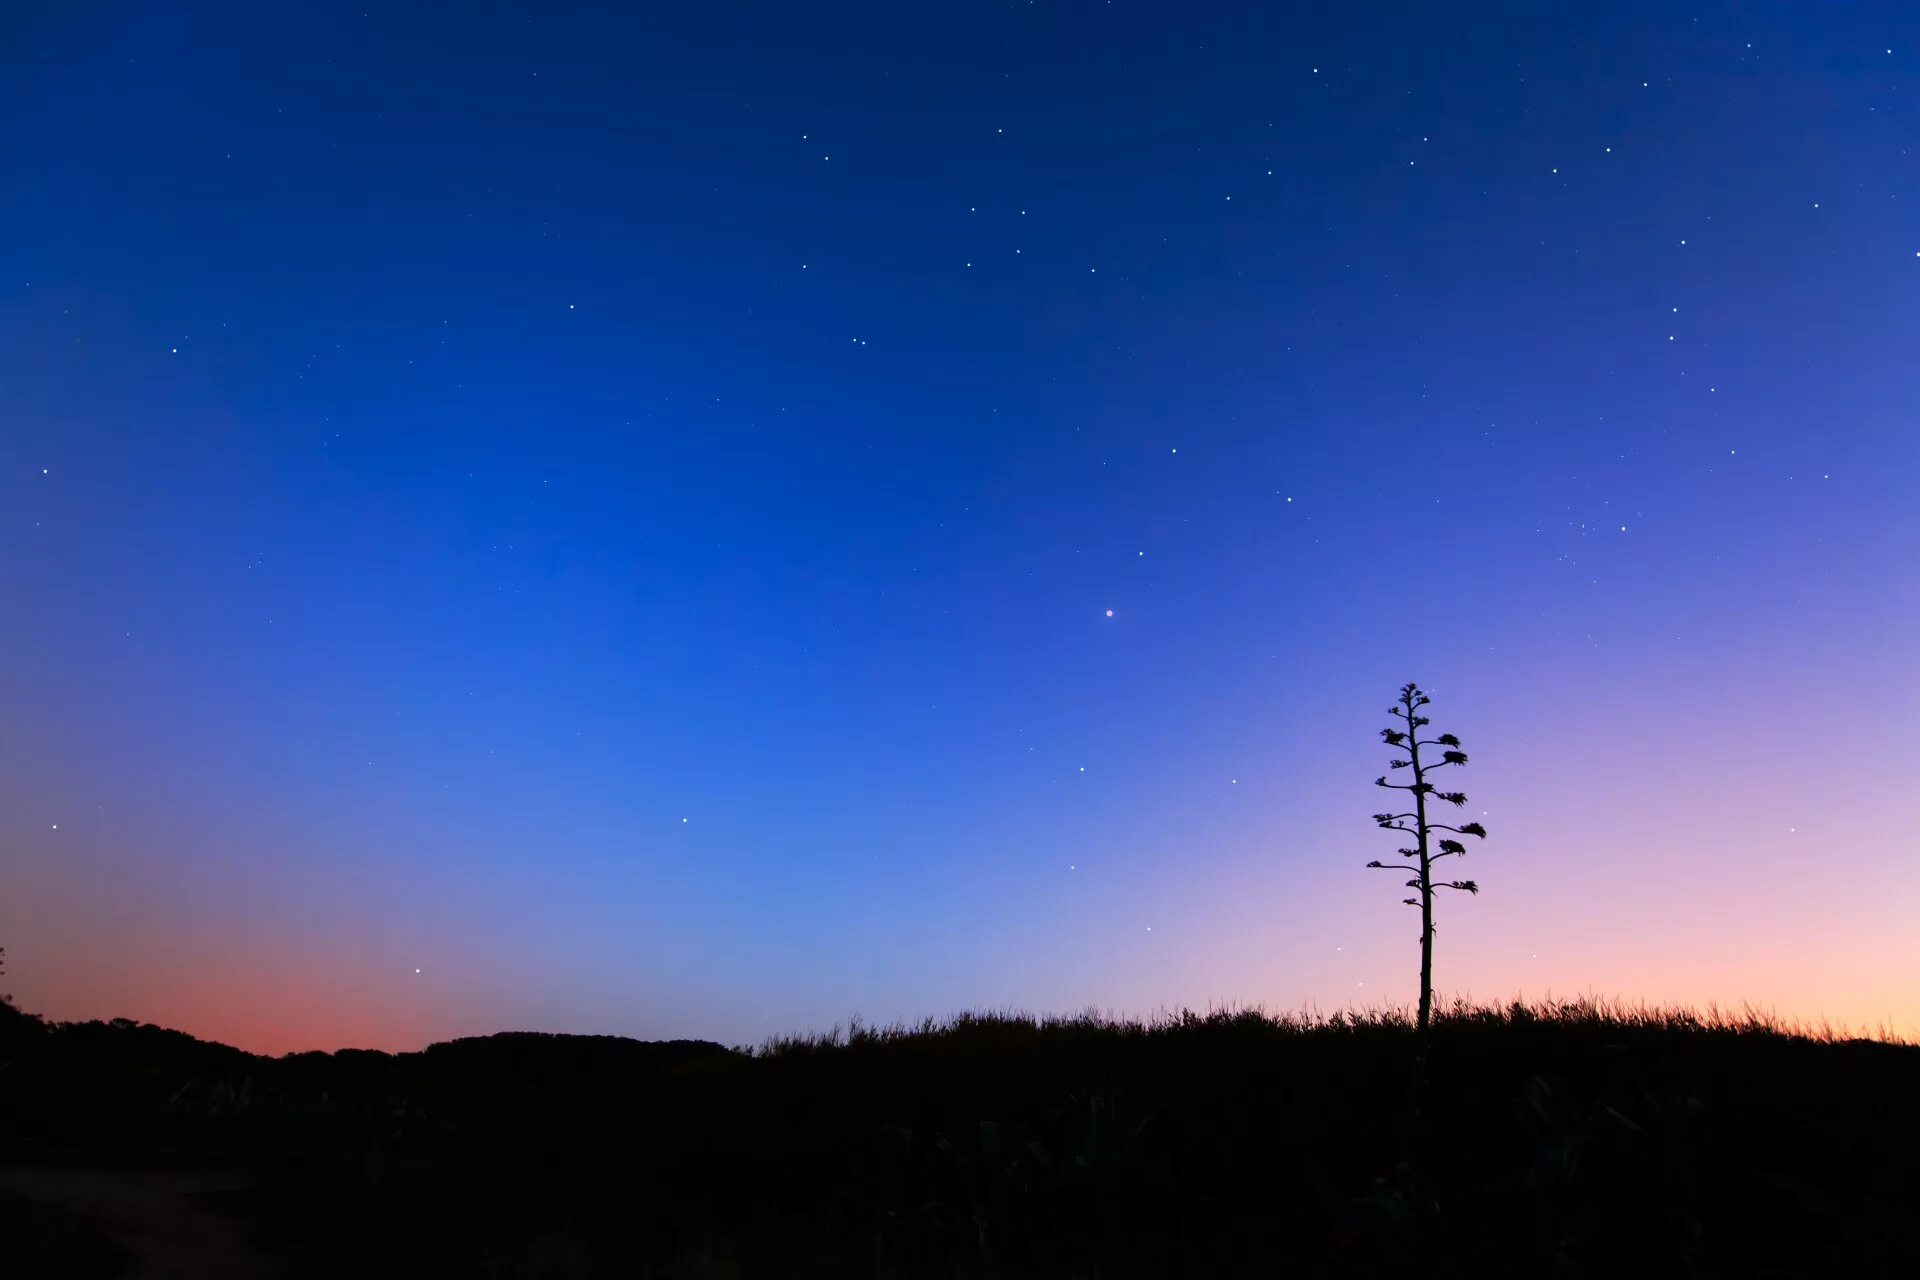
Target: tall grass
[1014, 1029]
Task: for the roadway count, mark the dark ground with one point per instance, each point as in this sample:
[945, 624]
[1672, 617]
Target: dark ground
[1565, 1142]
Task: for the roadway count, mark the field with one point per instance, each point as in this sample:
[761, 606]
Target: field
[1569, 1139]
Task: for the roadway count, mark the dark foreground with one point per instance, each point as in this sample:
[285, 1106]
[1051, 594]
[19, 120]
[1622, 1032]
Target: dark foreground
[1559, 1142]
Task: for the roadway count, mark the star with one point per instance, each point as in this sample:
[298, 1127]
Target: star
[1109, 613]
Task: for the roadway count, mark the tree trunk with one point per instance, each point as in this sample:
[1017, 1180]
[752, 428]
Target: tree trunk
[1426, 957]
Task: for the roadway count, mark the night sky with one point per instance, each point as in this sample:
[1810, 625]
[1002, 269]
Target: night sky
[707, 520]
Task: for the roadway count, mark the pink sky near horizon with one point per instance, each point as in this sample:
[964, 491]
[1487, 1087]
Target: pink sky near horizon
[1695, 883]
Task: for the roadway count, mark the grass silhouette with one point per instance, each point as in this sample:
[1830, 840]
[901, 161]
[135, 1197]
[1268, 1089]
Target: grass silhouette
[1570, 1138]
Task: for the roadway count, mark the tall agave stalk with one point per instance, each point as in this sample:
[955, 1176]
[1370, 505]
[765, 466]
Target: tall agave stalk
[1429, 846]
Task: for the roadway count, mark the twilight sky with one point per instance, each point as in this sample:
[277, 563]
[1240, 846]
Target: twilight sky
[704, 520]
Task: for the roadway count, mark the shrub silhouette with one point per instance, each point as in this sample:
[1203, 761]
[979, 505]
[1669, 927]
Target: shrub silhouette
[1217, 1143]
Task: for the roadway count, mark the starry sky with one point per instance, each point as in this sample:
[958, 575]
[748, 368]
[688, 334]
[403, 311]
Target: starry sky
[708, 520]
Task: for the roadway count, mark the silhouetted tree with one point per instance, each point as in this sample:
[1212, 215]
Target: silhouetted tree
[1426, 850]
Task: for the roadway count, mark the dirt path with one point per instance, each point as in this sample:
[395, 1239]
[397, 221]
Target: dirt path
[153, 1216]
